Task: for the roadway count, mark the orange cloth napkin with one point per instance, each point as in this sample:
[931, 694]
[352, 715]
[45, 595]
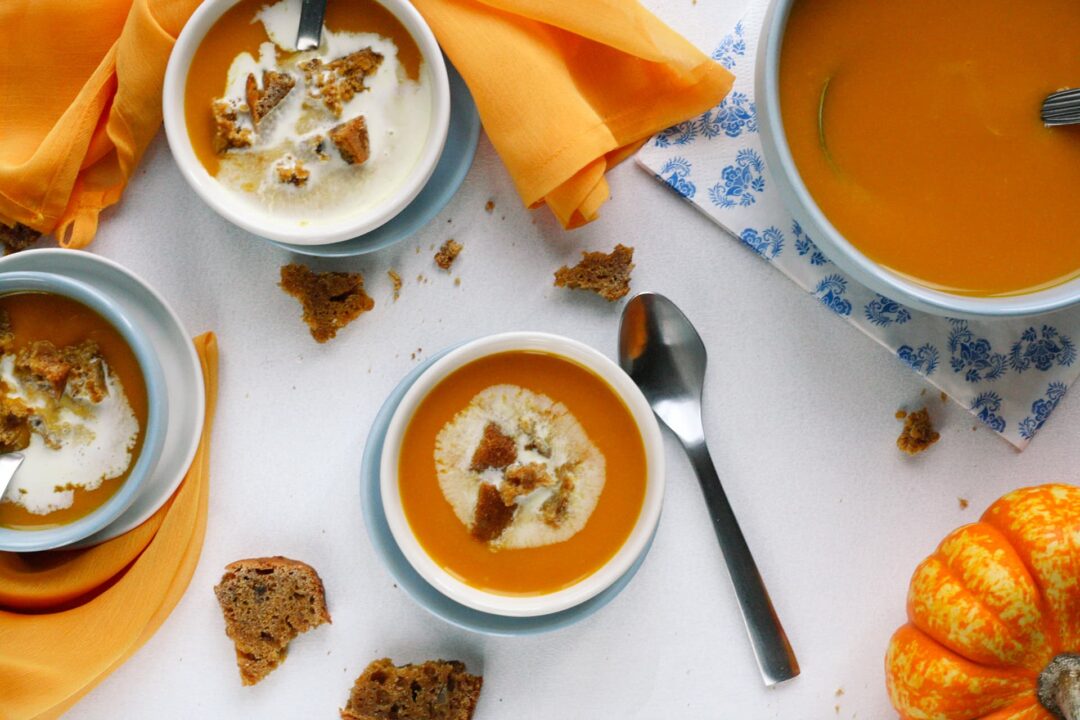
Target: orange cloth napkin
[567, 89]
[69, 618]
[80, 88]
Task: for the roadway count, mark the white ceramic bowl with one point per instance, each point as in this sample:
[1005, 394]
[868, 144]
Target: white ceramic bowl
[849, 258]
[248, 215]
[606, 575]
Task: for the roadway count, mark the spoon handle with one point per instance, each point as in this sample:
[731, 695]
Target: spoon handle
[309, 34]
[775, 658]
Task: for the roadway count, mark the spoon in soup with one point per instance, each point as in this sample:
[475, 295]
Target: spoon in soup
[309, 35]
[9, 463]
[663, 353]
[1062, 108]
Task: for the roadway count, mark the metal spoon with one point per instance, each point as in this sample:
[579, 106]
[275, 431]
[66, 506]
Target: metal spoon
[663, 353]
[309, 35]
[9, 463]
[1062, 108]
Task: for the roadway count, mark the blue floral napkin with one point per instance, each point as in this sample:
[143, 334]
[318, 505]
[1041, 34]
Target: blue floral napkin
[1010, 373]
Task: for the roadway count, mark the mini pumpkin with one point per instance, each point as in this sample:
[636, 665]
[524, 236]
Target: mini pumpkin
[994, 617]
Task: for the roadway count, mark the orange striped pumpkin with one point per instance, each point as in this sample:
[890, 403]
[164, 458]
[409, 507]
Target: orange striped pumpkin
[993, 627]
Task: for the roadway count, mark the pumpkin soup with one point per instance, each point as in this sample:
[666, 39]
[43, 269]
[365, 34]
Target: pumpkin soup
[915, 126]
[305, 135]
[522, 473]
[73, 401]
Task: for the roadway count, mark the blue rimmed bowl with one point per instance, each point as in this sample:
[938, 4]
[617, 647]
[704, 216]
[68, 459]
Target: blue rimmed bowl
[799, 202]
[12, 283]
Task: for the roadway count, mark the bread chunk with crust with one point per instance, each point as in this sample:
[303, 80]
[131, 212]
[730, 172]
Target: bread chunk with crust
[433, 690]
[331, 300]
[266, 603]
[606, 274]
[44, 365]
[351, 139]
[275, 86]
[228, 134]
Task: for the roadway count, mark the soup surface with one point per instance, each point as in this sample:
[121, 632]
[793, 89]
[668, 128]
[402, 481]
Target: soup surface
[303, 135]
[91, 428]
[915, 125]
[591, 427]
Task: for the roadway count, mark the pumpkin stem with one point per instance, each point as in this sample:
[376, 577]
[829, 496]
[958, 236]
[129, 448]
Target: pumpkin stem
[1059, 687]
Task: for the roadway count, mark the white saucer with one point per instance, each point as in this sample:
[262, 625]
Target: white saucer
[183, 373]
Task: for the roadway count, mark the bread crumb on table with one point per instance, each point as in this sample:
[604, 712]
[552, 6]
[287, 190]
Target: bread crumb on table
[918, 433]
[17, 237]
[489, 206]
[963, 503]
[331, 300]
[266, 603]
[397, 282]
[447, 253]
[432, 690]
[608, 275]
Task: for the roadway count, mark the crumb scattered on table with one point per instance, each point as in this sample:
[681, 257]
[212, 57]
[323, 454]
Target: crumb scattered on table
[918, 433]
[963, 503]
[397, 282]
[457, 282]
[944, 397]
[446, 255]
[489, 206]
[331, 300]
[608, 275]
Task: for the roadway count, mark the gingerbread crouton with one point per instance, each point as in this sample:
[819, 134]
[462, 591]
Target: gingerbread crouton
[433, 690]
[228, 134]
[14, 425]
[338, 81]
[496, 450]
[44, 365]
[292, 172]
[86, 380]
[330, 300]
[351, 139]
[448, 253]
[7, 335]
[608, 275]
[275, 86]
[521, 480]
[556, 507]
[491, 515]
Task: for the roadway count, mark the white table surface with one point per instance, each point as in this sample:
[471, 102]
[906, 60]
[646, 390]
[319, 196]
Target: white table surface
[799, 414]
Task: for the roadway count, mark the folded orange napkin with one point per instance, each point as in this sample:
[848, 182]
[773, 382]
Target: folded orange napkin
[69, 618]
[568, 89]
[80, 88]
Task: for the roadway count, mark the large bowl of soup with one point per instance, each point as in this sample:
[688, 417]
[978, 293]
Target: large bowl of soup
[905, 138]
[311, 147]
[522, 474]
[82, 399]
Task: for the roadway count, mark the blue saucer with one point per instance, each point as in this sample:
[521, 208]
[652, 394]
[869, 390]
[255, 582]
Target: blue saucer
[457, 157]
[427, 596]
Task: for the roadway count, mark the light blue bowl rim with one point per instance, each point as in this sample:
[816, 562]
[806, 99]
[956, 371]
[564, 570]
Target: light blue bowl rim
[157, 412]
[425, 595]
[799, 202]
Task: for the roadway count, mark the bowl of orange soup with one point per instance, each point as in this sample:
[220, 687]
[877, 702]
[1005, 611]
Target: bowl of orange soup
[310, 147]
[905, 138]
[82, 399]
[522, 474]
